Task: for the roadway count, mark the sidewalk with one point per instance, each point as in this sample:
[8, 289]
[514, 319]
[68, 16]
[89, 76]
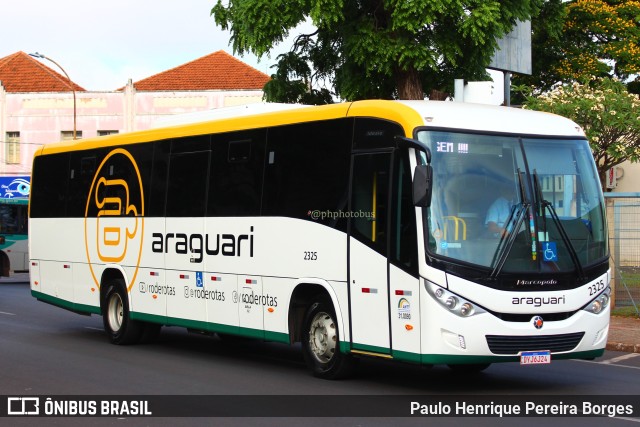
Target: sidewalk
[624, 332]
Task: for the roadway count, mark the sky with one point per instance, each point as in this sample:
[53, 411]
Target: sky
[103, 44]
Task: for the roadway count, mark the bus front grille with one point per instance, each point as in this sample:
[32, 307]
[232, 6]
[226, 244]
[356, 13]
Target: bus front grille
[510, 344]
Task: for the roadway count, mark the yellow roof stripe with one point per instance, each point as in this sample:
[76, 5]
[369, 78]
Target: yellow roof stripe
[406, 116]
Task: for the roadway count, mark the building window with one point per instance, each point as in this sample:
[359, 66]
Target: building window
[12, 148]
[67, 135]
[107, 132]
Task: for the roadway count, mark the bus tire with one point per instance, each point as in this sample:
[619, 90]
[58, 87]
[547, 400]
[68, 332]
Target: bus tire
[115, 315]
[321, 343]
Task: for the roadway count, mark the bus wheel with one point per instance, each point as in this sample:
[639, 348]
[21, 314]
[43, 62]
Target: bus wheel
[115, 315]
[320, 343]
[473, 368]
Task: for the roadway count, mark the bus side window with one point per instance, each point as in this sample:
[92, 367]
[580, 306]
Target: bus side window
[307, 172]
[186, 193]
[404, 246]
[369, 199]
[49, 196]
[235, 183]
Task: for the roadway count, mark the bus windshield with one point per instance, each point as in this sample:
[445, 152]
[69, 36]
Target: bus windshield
[514, 204]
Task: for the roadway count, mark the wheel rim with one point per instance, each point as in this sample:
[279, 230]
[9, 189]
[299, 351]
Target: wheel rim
[323, 337]
[115, 312]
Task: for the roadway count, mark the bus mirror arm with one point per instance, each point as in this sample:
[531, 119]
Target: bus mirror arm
[415, 144]
[422, 185]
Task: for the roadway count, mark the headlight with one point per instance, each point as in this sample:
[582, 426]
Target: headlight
[600, 302]
[454, 303]
[451, 302]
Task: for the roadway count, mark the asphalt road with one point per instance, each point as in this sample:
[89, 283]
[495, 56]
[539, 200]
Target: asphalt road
[45, 350]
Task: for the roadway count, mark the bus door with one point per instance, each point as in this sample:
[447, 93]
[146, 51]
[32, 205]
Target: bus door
[368, 263]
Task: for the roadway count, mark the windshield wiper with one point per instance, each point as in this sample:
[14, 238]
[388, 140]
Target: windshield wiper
[539, 199]
[504, 248]
[545, 204]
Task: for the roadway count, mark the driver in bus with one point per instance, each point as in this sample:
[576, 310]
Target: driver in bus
[499, 211]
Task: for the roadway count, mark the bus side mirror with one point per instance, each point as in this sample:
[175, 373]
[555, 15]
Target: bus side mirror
[422, 185]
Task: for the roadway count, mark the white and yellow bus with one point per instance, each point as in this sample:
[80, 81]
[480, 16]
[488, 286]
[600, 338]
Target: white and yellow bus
[357, 229]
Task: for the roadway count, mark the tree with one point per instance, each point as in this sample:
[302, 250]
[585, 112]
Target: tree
[372, 48]
[546, 33]
[574, 40]
[609, 115]
[602, 39]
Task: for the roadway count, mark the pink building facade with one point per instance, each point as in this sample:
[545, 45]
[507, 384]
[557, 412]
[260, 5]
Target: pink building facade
[37, 104]
[30, 120]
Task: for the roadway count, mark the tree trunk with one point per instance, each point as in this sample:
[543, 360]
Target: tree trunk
[408, 84]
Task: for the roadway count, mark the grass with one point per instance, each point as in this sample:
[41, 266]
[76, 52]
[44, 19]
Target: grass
[624, 312]
[627, 282]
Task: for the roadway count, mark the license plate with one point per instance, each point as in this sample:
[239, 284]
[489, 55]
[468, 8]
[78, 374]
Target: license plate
[535, 357]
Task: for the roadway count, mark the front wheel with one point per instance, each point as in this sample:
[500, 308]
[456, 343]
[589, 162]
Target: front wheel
[321, 343]
[115, 315]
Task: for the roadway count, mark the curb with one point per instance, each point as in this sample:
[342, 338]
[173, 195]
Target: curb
[627, 348]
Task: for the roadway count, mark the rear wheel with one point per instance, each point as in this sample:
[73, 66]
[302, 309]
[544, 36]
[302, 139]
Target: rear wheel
[321, 343]
[115, 315]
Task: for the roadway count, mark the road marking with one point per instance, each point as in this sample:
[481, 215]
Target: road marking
[95, 329]
[609, 364]
[620, 358]
[635, 420]
[8, 314]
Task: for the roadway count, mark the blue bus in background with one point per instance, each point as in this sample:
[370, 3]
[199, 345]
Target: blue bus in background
[14, 224]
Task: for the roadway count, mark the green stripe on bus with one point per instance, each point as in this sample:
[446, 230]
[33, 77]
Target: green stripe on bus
[68, 305]
[452, 359]
[212, 327]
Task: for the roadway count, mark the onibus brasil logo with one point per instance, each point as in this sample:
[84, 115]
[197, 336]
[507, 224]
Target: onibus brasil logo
[114, 216]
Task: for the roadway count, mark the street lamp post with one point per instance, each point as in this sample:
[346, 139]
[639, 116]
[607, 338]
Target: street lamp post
[41, 56]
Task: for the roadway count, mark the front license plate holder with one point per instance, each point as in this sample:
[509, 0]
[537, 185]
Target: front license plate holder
[540, 357]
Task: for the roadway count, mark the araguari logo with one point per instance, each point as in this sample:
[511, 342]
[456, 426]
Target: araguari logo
[114, 216]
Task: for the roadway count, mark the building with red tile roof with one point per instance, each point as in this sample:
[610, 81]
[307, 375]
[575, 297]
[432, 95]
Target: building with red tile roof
[216, 71]
[20, 72]
[37, 106]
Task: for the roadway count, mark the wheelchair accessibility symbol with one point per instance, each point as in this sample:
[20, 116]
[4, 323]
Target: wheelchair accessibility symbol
[549, 251]
[199, 283]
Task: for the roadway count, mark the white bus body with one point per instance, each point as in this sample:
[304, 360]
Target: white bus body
[300, 225]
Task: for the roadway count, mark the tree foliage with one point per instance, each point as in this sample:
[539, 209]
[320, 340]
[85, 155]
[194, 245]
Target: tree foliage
[601, 38]
[371, 48]
[609, 115]
[574, 40]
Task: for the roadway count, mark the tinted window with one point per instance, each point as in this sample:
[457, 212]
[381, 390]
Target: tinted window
[49, 186]
[82, 169]
[157, 188]
[404, 247]
[187, 190]
[369, 209]
[307, 171]
[375, 133]
[237, 166]
[13, 219]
